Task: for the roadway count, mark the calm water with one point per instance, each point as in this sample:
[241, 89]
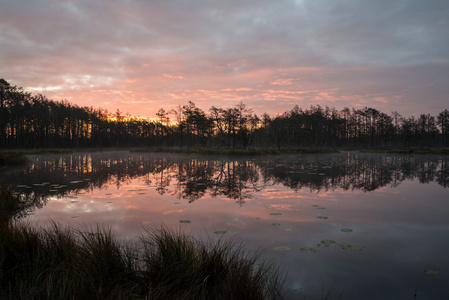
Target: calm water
[395, 209]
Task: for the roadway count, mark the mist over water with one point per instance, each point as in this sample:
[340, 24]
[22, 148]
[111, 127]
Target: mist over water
[364, 226]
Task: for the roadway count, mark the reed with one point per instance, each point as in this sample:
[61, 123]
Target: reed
[9, 204]
[13, 159]
[66, 263]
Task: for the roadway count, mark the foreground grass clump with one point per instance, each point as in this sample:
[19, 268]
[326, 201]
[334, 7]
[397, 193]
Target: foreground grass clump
[65, 263]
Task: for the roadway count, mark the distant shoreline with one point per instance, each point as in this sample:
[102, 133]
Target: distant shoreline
[18, 156]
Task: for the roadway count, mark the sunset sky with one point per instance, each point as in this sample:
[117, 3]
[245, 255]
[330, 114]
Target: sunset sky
[141, 55]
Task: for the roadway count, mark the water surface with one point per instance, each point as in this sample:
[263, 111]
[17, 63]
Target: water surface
[360, 226]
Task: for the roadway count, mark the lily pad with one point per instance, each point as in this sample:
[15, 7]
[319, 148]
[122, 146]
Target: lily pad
[281, 248]
[322, 217]
[220, 232]
[432, 272]
[185, 221]
[347, 246]
[276, 224]
[291, 229]
[275, 214]
[326, 243]
[315, 205]
[320, 207]
[307, 250]
[347, 230]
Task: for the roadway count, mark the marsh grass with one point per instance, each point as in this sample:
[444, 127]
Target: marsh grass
[64, 263]
[237, 152]
[9, 204]
[13, 159]
[409, 150]
[181, 265]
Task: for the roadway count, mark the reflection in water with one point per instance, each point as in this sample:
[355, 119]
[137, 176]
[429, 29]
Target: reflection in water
[392, 209]
[58, 176]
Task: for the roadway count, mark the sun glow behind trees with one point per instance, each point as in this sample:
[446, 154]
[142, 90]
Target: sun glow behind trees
[29, 121]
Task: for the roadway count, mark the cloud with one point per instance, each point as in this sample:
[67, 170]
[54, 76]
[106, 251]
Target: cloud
[140, 55]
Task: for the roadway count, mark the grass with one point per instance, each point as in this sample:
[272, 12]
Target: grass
[237, 152]
[9, 204]
[12, 159]
[409, 150]
[64, 263]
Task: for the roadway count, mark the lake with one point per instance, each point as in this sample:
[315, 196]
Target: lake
[355, 225]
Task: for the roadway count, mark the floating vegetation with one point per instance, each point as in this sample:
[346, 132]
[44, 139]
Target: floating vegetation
[185, 221]
[344, 246]
[307, 250]
[74, 217]
[432, 272]
[318, 206]
[281, 248]
[336, 224]
[141, 193]
[276, 224]
[276, 214]
[76, 181]
[220, 232]
[109, 202]
[326, 243]
[108, 194]
[74, 201]
[256, 218]
[347, 230]
[177, 202]
[322, 217]
[291, 229]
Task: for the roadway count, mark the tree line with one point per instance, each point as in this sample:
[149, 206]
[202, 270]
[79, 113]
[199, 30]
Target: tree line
[33, 121]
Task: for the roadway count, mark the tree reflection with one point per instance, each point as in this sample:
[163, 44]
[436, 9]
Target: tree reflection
[52, 177]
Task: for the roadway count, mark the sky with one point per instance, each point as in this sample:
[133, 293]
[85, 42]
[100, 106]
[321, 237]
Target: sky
[141, 55]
